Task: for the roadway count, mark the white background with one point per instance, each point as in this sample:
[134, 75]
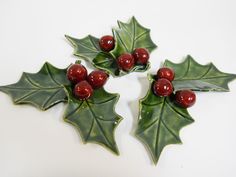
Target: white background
[39, 144]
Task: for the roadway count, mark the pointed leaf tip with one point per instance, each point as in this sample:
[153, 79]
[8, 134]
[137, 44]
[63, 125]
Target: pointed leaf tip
[95, 118]
[43, 89]
[160, 122]
[191, 75]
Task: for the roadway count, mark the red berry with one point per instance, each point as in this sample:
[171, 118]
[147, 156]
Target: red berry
[162, 87]
[76, 73]
[141, 56]
[166, 73]
[107, 43]
[185, 98]
[83, 90]
[126, 62]
[97, 78]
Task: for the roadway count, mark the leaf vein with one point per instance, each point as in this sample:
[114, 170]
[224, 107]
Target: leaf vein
[83, 45]
[31, 82]
[90, 130]
[92, 42]
[141, 35]
[134, 32]
[25, 96]
[99, 125]
[118, 35]
[158, 127]
[50, 75]
[183, 116]
[74, 111]
[173, 134]
[50, 98]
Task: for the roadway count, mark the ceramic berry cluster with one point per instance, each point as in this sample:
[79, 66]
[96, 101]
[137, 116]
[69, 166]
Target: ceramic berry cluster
[90, 108]
[125, 61]
[163, 87]
[84, 83]
[126, 51]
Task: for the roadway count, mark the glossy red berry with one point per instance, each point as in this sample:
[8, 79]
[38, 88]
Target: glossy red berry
[107, 43]
[83, 90]
[126, 62]
[97, 79]
[166, 73]
[76, 73]
[185, 98]
[141, 56]
[162, 87]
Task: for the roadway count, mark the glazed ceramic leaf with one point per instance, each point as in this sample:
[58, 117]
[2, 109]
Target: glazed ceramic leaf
[128, 37]
[95, 118]
[131, 35]
[191, 75]
[160, 121]
[43, 89]
[105, 61]
[86, 48]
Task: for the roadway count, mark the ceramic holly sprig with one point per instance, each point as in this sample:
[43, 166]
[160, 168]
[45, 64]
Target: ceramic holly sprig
[126, 51]
[90, 107]
[163, 111]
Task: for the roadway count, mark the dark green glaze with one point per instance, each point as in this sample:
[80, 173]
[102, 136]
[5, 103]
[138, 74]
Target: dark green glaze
[86, 48]
[42, 90]
[160, 121]
[95, 118]
[191, 75]
[128, 37]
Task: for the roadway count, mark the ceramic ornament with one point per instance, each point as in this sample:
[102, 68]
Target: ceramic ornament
[91, 109]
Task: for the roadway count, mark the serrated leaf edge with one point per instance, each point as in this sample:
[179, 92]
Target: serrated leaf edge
[189, 58]
[30, 102]
[119, 119]
[154, 159]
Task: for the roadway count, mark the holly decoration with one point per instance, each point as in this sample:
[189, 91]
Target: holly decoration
[43, 89]
[91, 109]
[94, 117]
[191, 75]
[162, 115]
[103, 53]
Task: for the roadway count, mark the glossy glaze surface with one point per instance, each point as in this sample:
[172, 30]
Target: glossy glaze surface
[185, 98]
[43, 89]
[190, 75]
[76, 73]
[128, 36]
[126, 62]
[141, 56]
[97, 79]
[160, 121]
[166, 73]
[107, 43]
[95, 118]
[162, 87]
[83, 90]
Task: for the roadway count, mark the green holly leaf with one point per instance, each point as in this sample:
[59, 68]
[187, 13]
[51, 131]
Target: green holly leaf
[160, 121]
[42, 90]
[105, 62]
[95, 118]
[87, 48]
[128, 37]
[191, 75]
